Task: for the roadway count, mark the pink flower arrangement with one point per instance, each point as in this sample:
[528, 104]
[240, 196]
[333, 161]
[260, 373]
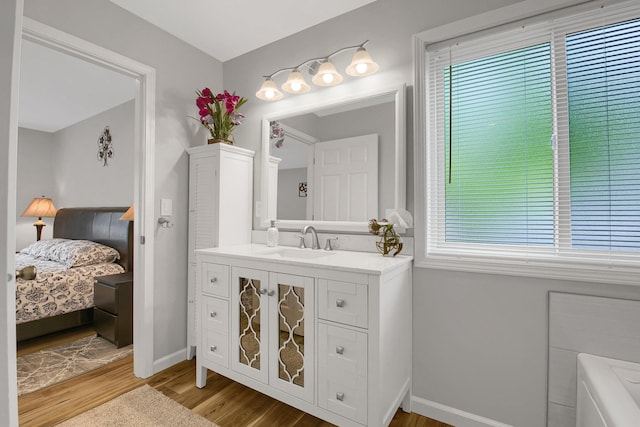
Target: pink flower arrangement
[219, 113]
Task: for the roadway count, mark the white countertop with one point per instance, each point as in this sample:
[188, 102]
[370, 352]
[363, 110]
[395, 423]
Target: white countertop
[357, 262]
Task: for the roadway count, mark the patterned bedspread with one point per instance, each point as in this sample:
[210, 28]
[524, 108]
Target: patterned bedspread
[56, 288]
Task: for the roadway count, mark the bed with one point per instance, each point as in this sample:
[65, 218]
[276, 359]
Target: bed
[61, 295]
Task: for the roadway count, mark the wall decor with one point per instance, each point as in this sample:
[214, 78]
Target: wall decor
[105, 148]
[302, 189]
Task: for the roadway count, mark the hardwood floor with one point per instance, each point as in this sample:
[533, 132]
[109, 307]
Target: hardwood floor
[222, 401]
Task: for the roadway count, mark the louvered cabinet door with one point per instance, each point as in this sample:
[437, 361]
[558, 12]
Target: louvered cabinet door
[204, 189]
[203, 205]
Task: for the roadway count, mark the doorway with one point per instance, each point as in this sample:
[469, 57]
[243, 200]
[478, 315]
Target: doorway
[143, 194]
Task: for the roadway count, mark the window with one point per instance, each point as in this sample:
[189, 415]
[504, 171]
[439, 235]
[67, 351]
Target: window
[533, 148]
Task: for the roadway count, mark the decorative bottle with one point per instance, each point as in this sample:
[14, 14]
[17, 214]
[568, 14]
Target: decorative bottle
[272, 234]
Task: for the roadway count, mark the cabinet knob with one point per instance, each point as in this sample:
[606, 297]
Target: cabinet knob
[213, 314]
[263, 291]
[340, 349]
[214, 279]
[340, 303]
[271, 293]
[213, 348]
[340, 396]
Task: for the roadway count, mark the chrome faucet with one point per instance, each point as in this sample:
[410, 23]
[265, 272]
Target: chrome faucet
[315, 244]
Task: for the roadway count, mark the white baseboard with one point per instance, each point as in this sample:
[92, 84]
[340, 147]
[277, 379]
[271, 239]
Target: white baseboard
[170, 360]
[449, 415]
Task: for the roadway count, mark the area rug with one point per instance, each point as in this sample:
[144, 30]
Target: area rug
[144, 406]
[52, 365]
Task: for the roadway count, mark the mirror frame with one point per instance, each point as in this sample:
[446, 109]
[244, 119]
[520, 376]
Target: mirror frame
[400, 185]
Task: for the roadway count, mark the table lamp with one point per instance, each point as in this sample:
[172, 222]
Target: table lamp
[40, 207]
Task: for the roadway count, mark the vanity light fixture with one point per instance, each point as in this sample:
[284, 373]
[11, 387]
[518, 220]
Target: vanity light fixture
[327, 75]
[269, 91]
[295, 83]
[361, 64]
[323, 70]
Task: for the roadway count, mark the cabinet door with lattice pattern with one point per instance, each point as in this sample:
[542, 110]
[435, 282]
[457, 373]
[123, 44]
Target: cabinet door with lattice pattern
[250, 311]
[291, 334]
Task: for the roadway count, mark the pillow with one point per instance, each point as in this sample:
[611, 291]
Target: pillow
[73, 253]
[42, 248]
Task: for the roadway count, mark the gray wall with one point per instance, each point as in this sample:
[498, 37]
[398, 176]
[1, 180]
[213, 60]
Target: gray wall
[480, 341]
[35, 179]
[64, 166]
[180, 70]
[290, 206]
[80, 179]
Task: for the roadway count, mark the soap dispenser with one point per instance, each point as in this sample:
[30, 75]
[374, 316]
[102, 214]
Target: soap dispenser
[272, 234]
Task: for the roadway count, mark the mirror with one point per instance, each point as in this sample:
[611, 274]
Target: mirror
[305, 177]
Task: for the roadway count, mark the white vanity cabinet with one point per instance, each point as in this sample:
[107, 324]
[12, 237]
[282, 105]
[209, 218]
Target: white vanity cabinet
[220, 198]
[328, 333]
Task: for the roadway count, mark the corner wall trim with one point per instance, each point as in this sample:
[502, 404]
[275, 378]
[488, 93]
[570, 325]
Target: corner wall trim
[169, 360]
[449, 415]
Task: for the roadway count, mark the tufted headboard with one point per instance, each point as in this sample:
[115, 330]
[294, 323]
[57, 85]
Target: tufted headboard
[102, 225]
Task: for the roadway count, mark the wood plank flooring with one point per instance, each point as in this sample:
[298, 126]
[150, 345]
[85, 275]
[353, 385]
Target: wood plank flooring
[222, 401]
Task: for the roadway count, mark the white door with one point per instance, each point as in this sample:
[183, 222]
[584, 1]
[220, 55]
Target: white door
[345, 179]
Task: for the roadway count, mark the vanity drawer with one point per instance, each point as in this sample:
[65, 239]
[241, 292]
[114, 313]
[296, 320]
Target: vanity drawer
[215, 314]
[343, 302]
[342, 371]
[215, 279]
[216, 348]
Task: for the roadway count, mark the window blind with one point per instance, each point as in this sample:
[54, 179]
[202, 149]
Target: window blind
[533, 151]
[603, 79]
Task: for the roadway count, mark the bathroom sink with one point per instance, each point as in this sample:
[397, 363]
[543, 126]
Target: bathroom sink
[296, 253]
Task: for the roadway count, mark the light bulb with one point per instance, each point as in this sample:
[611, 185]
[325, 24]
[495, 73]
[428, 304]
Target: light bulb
[296, 86]
[327, 78]
[361, 68]
[269, 93]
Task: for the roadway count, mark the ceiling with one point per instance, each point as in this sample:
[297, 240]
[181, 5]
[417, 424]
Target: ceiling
[226, 29]
[58, 90]
[72, 90]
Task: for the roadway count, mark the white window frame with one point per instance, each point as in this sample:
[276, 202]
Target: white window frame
[532, 263]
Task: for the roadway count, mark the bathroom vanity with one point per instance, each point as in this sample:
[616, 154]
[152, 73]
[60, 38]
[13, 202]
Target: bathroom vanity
[328, 332]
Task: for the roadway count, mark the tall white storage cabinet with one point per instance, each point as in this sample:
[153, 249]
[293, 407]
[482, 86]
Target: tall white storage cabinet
[220, 199]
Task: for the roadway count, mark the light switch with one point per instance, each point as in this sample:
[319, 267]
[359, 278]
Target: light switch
[166, 207]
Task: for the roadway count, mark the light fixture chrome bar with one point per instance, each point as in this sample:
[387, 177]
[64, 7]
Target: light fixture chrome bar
[321, 58]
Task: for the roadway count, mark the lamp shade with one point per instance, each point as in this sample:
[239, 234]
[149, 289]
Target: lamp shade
[361, 64]
[128, 215]
[269, 91]
[327, 75]
[41, 207]
[295, 83]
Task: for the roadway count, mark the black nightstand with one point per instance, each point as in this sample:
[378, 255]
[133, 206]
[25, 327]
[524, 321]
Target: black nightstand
[113, 311]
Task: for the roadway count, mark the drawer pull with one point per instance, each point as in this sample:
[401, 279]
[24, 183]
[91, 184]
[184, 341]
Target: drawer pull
[340, 396]
[213, 348]
[340, 349]
[213, 314]
[340, 303]
[214, 279]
